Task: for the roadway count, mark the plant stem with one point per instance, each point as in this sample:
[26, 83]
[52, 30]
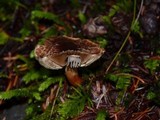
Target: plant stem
[125, 41]
[60, 84]
[118, 52]
[131, 75]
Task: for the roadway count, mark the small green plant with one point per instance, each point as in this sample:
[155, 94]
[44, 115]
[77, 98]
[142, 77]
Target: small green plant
[152, 65]
[122, 81]
[37, 83]
[49, 81]
[102, 115]
[74, 105]
[153, 93]
[3, 37]
[37, 14]
[82, 17]
[121, 5]
[24, 23]
[102, 42]
[21, 92]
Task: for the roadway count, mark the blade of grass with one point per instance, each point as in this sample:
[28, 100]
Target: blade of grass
[128, 35]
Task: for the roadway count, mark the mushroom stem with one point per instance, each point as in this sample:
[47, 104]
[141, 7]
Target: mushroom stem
[72, 76]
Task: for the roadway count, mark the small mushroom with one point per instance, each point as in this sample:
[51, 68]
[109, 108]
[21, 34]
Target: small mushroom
[68, 52]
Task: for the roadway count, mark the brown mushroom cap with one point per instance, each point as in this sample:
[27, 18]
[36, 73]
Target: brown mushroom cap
[55, 51]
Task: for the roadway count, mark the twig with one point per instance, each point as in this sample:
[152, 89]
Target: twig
[131, 75]
[55, 100]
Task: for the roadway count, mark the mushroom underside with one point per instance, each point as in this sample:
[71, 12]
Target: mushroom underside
[69, 52]
[60, 60]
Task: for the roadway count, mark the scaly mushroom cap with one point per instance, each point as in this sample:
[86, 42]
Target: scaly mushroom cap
[56, 50]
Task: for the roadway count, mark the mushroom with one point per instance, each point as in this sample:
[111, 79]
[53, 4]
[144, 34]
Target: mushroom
[68, 52]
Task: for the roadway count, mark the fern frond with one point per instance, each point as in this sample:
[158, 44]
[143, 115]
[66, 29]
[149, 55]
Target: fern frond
[122, 82]
[51, 80]
[46, 15]
[24, 92]
[36, 95]
[31, 75]
[72, 107]
[101, 115]
[14, 93]
[35, 75]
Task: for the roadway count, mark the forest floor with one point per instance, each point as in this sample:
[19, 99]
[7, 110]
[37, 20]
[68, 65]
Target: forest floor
[124, 84]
